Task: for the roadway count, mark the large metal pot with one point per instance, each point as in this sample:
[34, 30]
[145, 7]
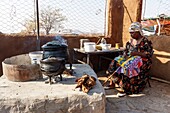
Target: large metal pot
[57, 48]
[52, 64]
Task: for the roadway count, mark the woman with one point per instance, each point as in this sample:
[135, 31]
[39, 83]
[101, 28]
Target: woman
[130, 70]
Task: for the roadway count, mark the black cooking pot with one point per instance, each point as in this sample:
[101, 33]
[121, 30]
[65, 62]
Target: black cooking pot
[52, 64]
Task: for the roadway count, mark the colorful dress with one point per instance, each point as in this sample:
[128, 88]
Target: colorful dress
[133, 71]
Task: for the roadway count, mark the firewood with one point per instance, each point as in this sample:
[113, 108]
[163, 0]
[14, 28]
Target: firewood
[85, 83]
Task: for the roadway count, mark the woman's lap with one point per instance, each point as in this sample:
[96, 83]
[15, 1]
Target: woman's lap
[134, 84]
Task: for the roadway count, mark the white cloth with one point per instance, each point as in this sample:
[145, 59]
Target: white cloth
[136, 26]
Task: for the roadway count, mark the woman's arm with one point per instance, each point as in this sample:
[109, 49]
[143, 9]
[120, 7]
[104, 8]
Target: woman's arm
[145, 49]
[143, 55]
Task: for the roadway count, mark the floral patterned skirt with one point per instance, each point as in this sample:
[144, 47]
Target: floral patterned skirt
[130, 84]
[133, 85]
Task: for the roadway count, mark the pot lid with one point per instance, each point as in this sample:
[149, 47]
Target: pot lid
[53, 44]
[52, 59]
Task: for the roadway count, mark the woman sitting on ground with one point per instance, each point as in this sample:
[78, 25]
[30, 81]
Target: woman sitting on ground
[130, 70]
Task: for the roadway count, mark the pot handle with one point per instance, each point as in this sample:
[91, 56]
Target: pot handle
[51, 56]
[64, 61]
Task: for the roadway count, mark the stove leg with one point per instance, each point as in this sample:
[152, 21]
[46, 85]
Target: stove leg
[49, 81]
[61, 77]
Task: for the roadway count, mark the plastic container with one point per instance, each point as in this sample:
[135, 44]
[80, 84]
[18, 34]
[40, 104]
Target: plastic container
[117, 45]
[89, 46]
[36, 56]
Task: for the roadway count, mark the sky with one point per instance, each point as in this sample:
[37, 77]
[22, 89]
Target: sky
[13, 13]
[153, 8]
[82, 15]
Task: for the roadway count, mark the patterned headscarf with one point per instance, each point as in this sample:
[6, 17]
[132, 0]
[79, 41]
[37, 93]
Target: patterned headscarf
[136, 26]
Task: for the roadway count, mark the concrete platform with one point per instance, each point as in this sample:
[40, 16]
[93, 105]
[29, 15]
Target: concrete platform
[38, 97]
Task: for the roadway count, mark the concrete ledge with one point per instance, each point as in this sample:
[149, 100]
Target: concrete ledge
[38, 97]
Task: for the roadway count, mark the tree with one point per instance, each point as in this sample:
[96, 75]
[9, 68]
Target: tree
[49, 18]
[30, 25]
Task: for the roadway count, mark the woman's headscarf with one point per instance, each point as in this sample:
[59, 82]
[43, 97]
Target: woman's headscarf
[136, 26]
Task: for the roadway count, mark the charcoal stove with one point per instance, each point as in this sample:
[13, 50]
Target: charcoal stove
[55, 56]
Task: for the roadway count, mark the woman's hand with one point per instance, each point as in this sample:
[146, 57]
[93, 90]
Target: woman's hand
[134, 53]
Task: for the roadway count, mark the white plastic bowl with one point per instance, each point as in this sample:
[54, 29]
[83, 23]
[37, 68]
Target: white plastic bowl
[106, 47]
[36, 56]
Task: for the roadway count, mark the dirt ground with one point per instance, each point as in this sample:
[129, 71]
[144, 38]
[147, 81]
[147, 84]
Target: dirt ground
[154, 99]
